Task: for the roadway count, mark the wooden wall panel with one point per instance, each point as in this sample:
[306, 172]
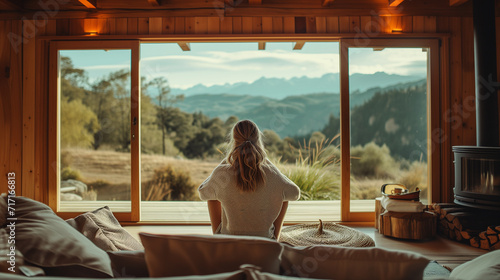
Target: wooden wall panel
[143, 25]
[213, 25]
[498, 55]
[332, 24]
[168, 26]
[344, 24]
[288, 25]
[267, 25]
[468, 84]
[237, 25]
[226, 25]
[454, 116]
[201, 25]
[246, 25]
[133, 26]
[41, 122]
[11, 111]
[155, 25]
[28, 108]
[354, 24]
[407, 24]
[430, 24]
[121, 26]
[257, 25]
[418, 24]
[310, 25]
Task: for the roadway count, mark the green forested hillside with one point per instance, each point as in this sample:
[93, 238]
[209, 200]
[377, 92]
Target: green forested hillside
[394, 115]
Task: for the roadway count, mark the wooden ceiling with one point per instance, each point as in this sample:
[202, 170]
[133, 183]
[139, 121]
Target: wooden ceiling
[151, 8]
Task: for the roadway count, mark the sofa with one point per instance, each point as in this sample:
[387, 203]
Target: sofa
[36, 244]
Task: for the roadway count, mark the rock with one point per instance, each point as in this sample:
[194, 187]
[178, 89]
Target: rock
[70, 197]
[79, 187]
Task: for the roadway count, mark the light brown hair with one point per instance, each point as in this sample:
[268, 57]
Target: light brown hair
[246, 155]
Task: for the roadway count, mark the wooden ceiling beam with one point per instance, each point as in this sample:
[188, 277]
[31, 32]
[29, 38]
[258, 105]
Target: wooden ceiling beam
[11, 4]
[262, 46]
[185, 46]
[327, 2]
[91, 4]
[395, 3]
[457, 2]
[298, 45]
[255, 2]
[154, 3]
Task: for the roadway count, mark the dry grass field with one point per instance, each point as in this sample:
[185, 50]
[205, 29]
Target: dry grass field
[114, 168]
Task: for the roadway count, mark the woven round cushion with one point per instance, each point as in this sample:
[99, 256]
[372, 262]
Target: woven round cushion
[328, 233]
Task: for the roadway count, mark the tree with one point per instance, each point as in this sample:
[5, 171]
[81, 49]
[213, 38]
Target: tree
[78, 124]
[109, 98]
[164, 101]
[120, 86]
[179, 126]
[73, 80]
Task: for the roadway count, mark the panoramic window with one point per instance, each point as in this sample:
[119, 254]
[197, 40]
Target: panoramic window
[192, 94]
[191, 99]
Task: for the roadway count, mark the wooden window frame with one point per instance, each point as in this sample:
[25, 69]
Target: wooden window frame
[431, 41]
[433, 120]
[54, 127]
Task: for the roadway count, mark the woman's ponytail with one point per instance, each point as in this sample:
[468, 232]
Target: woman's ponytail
[247, 155]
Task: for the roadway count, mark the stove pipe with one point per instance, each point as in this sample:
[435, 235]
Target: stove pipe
[486, 73]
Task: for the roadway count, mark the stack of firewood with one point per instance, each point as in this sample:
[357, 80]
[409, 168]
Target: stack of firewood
[479, 228]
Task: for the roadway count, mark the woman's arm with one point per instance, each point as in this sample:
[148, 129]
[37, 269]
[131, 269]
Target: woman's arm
[215, 212]
[278, 223]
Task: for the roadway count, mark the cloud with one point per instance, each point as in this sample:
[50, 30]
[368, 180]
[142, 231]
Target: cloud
[217, 67]
[105, 67]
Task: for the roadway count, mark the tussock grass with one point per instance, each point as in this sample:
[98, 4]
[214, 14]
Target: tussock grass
[316, 171]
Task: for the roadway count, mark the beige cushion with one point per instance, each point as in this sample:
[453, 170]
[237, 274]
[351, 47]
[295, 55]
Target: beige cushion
[48, 241]
[177, 255]
[331, 262]
[104, 230]
[483, 267]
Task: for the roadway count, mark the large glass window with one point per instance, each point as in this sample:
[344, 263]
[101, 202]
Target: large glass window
[192, 98]
[388, 122]
[96, 123]
[339, 119]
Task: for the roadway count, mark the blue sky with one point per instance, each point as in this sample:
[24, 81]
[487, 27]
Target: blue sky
[220, 63]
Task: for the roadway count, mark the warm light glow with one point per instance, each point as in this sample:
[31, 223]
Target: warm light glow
[92, 33]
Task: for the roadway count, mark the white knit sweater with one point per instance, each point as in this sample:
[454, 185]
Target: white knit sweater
[248, 213]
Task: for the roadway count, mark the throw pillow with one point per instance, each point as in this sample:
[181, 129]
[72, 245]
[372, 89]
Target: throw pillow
[104, 230]
[128, 264]
[331, 262]
[10, 260]
[48, 241]
[179, 255]
[483, 267]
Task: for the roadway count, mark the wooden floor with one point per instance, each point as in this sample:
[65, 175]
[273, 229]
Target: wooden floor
[444, 251]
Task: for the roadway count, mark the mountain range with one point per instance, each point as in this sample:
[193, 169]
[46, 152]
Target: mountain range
[290, 116]
[279, 88]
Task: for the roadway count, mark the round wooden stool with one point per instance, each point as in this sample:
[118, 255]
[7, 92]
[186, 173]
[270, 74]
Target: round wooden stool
[408, 225]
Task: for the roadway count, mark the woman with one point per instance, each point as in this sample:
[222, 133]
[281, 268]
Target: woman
[246, 193]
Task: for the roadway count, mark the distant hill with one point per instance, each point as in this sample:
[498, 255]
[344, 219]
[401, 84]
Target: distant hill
[290, 116]
[221, 105]
[279, 88]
